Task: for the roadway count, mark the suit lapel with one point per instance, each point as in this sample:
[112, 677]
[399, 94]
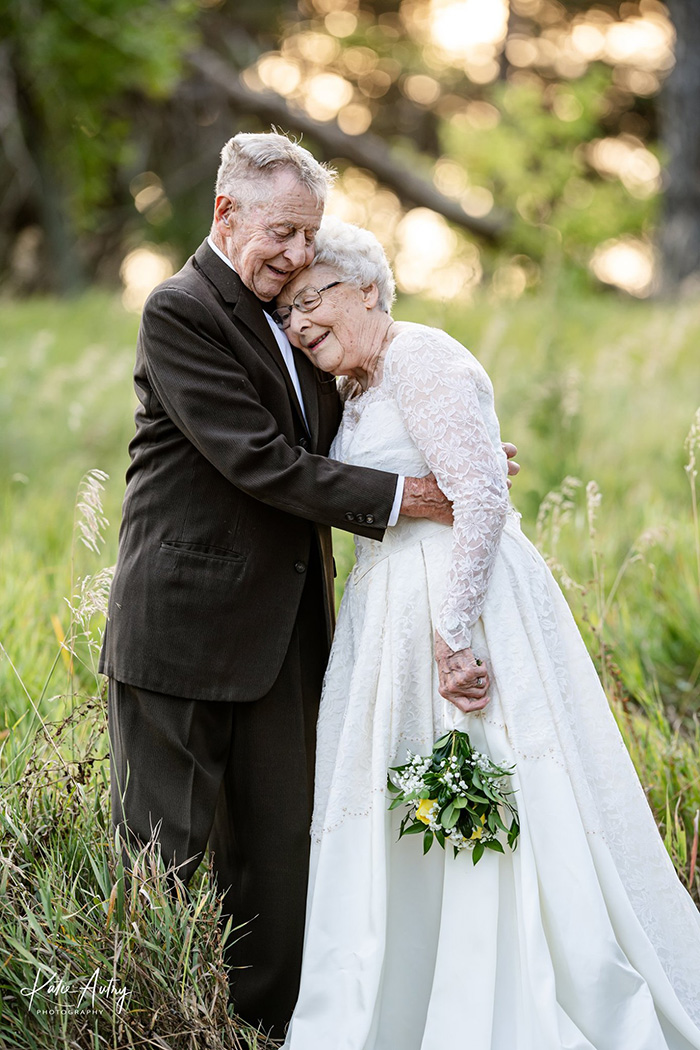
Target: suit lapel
[247, 310]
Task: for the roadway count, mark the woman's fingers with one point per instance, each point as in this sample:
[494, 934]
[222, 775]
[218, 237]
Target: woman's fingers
[466, 705]
[463, 679]
[467, 682]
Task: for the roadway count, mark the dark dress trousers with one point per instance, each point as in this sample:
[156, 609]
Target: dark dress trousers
[221, 610]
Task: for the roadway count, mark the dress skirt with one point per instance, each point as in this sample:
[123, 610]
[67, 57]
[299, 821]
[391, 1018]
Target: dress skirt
[582, 937]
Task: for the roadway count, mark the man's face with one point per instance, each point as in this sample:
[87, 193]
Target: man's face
[270, 242]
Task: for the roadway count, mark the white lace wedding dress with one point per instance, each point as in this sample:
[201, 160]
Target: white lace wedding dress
[582, 938]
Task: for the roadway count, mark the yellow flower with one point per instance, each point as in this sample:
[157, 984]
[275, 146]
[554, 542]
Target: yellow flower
[423, 811]
[478, 832]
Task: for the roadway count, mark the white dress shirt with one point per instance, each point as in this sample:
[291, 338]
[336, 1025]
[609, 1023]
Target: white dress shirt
[286, 351]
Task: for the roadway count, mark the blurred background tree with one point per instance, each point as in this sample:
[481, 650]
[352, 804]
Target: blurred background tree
[76, 77]
[482, 140]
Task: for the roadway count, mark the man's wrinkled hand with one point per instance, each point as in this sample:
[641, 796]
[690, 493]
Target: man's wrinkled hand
[464, 680]
[423, 499]
[511, 452]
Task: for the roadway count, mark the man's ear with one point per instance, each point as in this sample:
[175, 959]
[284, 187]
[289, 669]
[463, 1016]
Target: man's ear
[225, 208]
[370, 295]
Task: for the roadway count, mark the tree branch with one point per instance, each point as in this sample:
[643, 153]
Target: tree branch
[366, 151]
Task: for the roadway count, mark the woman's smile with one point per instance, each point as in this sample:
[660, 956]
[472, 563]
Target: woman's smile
[315, 343]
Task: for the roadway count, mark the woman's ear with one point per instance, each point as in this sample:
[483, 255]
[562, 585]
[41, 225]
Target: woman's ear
[370, 296]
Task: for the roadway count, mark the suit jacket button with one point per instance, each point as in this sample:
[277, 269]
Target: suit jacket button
[370, 519]
[300, 566]
[349, 516]
[359, 518]
[303, 442]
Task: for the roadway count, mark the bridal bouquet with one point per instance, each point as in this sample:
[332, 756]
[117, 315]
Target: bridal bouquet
[458, 796]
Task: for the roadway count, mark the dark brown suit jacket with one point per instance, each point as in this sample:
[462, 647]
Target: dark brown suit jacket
[226, 493]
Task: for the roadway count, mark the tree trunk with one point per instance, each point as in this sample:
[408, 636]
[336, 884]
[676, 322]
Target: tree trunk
[679, 235]
[60, 264]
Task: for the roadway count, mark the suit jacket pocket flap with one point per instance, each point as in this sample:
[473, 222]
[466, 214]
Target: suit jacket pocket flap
[202, 550]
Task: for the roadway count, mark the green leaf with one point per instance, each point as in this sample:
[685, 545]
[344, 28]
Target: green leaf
[477, 852]
[415, 829]
[494, 821]
[449, 817]
[427, 841]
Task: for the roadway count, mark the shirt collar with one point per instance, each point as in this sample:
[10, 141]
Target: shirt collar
[267, 307]
[221, 255]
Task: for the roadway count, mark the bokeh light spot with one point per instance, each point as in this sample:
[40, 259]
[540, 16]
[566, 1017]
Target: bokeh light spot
[625, 262]
[141, 270]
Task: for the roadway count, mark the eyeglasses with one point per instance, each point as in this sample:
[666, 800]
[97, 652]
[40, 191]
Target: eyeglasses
[304, 301]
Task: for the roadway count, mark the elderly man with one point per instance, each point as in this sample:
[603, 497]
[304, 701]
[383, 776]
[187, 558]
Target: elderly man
[221, 607]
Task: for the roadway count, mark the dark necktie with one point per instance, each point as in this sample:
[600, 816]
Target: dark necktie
[268, 307]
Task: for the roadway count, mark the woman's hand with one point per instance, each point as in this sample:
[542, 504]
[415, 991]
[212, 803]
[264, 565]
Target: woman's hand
[464, 680]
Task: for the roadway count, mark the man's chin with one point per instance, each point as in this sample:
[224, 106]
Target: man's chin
[270, 286]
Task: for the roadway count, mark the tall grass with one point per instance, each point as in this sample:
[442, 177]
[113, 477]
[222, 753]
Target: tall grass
[66, 406]
[664, 747]
[94, 957]
[91, 958]
[588, 388]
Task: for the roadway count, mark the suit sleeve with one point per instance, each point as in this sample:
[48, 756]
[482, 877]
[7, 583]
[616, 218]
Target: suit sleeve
[208, 395]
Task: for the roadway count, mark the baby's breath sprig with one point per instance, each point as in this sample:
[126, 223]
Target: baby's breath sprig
[457, 796]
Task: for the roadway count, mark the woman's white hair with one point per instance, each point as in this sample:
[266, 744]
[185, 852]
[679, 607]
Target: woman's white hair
[357, 256]
[249, 159]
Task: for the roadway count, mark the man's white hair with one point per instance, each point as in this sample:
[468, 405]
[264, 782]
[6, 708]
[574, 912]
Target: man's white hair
[357, 256]
[247, 160]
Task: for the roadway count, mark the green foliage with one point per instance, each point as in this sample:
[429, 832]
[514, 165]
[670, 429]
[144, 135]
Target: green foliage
[80, 66]
[535, 165]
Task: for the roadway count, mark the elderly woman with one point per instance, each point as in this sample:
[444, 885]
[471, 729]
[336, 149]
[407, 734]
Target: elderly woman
[582, 937]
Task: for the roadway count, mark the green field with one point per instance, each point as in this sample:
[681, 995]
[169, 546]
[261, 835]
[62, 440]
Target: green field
[599, 389]
[596, 388]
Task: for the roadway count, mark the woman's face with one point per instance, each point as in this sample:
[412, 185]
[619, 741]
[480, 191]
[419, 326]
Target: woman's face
[336, 335]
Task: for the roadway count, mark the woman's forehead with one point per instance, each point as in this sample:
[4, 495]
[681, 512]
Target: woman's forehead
[312, 277]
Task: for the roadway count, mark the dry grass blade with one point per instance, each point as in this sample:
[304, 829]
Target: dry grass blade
[90, 519]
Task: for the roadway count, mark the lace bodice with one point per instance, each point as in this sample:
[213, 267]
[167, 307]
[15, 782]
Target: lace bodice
[433, 411]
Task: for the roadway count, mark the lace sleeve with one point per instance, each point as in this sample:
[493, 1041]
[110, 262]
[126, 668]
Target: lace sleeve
[436, 384]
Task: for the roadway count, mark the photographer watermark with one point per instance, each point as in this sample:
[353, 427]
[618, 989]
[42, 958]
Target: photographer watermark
[56, 994]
